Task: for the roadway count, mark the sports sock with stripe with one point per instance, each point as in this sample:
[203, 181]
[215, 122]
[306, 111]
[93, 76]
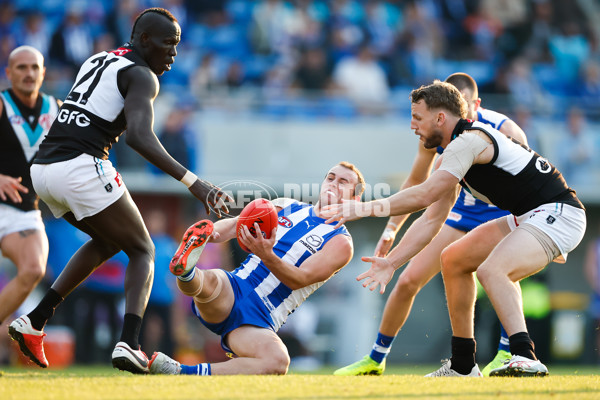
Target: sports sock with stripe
[381, 347]
[199, 369]
[503, 343]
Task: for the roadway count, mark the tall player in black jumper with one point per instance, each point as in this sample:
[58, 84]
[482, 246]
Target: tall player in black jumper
[113, 91]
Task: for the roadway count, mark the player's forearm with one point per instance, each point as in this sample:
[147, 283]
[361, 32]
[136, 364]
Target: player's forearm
[226, 229]
[401, 204]
[420, 233]
[149, 147]
[290, 275]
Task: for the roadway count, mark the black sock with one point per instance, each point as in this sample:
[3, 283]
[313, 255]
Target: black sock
[463, 355]
[522, 345]
[45, 310]
[131, 330]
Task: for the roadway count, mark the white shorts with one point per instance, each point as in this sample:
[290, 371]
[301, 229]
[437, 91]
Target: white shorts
[14, 220]
[564, 224]
[84, 185]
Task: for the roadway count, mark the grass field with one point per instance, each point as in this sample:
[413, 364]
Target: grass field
[83, 383]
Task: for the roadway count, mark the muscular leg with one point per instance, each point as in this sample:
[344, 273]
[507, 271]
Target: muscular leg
[205, 285]
[118, 227]
[459, 262]
[28, 250]
[417, 273]
[259, 350]
[516, 257]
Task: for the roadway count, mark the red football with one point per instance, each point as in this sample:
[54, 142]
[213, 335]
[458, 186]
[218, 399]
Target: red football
[261, 211]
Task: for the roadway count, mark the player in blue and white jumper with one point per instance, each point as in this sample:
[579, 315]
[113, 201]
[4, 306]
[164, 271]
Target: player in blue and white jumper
[248, 306]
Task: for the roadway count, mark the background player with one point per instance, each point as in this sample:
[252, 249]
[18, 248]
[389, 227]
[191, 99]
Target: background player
[25, 118]
[466, 214]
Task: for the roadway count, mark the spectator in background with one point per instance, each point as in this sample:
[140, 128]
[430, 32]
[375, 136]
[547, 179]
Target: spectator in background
[537, 48]
[592, 273]
[268, 32]
[157, 330]
[122, 18]
[421, 42]
[35, 32]
[523, 119]
[382, 22]
[72, 42]
[588, 93]
[363, 80]
[570, 48]
[206, 76]
[523, 87]
[576, 149]
[235, 75]
[313, 72]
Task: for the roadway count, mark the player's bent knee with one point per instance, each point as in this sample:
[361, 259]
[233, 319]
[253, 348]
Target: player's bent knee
[453, 262]
[408, 285]
[486, 275]
[31, 274]
[277, 363]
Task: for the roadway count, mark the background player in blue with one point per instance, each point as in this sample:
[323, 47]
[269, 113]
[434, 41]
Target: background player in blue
[25, 118]
[114, 90]
[547, 221]
[248, 306]
[466, 214]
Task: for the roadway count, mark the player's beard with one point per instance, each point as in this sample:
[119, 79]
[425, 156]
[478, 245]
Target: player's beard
[435, 140]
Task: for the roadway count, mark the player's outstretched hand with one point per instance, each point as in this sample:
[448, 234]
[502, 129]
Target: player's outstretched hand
[10, 188]
[379, 274]
[211, 196]
[347, 210]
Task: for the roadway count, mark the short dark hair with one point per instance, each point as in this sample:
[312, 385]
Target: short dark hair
[441, 95]
[463, 81]
[153, 10]
[360, 186]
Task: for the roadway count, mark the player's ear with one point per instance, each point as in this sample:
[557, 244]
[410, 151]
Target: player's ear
[477, 104]
[441, 118]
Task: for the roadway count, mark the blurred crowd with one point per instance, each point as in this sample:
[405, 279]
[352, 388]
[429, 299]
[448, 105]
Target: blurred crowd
[361, 55]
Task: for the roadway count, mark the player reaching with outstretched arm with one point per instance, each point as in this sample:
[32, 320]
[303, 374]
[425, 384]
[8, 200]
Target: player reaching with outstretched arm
[113, 90]
[248, 306]
[466, 214]
[547, 222]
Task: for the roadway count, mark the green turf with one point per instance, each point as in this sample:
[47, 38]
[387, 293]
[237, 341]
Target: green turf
[102, 382]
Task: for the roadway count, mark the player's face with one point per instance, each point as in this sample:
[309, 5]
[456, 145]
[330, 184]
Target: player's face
[26, 72]
[425, 124]
[340, 183]
[162, 46]
[472, 104]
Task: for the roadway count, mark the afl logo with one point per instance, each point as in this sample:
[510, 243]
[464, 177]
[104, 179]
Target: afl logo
[285, 222]
[16, 120]
[543, 165]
